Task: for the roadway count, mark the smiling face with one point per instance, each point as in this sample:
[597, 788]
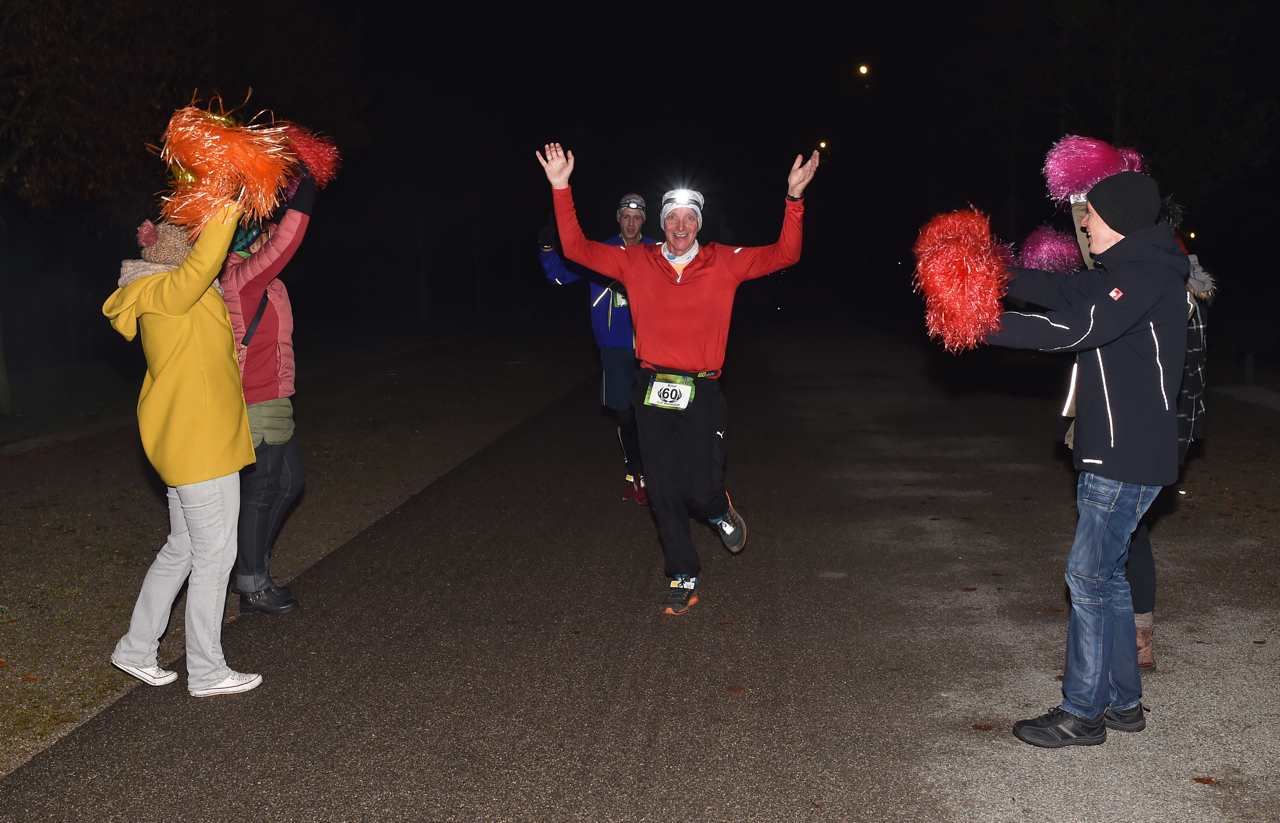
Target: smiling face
[631, 220]
[681, 228]
[1101, 236]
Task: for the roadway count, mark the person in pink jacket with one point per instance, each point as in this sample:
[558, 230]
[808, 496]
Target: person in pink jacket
[263, 322]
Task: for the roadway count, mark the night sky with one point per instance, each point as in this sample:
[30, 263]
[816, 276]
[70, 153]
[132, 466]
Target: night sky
[438, 112]
[722, 100]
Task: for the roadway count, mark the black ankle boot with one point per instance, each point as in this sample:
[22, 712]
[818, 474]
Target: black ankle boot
[266, 602]
[283, 591]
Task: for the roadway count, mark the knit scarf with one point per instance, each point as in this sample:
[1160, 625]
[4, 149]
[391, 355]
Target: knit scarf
[131, 270]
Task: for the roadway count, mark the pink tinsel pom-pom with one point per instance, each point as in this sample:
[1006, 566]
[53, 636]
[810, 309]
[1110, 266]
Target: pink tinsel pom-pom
[962, 277]
[1076, 163]
[1049, 250]
[317, 151]
[1132, 160]
[148, 234]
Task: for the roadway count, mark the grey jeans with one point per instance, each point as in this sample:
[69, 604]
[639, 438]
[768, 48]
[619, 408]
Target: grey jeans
[202, 546]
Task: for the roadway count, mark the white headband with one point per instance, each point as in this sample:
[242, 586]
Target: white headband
[682, 199]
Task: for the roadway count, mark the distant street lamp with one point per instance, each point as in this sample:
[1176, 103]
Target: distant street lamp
[862, 69]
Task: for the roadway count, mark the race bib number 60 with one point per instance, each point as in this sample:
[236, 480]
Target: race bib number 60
[669, 391]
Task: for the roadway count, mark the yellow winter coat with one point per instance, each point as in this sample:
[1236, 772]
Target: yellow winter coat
[191, 411]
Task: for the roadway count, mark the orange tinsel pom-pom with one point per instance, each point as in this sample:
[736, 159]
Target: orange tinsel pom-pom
[962, 277]
[213, 160]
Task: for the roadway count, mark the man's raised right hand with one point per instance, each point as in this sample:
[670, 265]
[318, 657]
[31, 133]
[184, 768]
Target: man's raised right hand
[558, 164]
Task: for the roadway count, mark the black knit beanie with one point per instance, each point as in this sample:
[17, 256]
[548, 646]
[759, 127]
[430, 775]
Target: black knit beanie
[1127, 201]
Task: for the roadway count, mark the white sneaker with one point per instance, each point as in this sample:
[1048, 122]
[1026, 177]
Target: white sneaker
[151, 675]
[235, 683]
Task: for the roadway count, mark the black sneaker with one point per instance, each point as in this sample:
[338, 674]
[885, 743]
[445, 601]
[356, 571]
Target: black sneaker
[732, 529]
[682, 594]
[1058, 728]
[266, 602]
[1129, 720]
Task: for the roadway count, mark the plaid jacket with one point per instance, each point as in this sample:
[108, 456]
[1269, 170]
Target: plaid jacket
[1191, 394]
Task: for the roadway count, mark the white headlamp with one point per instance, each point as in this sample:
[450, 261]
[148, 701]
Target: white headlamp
[683, 199]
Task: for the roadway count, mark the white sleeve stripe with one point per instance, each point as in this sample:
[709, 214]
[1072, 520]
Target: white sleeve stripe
[1039, 317]
[1159, 367]
[1071, 392]
[1086, 334]
[1106, 396]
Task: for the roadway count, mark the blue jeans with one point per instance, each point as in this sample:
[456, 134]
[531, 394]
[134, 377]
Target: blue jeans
[1102, 651]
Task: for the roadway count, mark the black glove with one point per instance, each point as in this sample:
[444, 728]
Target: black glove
[304, 199]
[548, 236]
[304, 196]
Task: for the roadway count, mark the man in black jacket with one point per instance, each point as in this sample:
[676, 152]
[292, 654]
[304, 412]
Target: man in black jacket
[1128, 320]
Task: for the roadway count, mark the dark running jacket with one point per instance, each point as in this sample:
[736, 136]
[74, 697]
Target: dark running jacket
[610, 314]
[1128, 320]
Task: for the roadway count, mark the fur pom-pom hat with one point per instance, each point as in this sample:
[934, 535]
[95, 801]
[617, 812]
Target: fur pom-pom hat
[163, 243]
[164, 248]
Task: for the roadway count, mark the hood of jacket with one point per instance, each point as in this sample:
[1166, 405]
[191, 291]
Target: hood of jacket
[121, 308]
[1151, 249]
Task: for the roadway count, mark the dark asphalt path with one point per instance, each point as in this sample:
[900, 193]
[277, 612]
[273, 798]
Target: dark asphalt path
[492, 650]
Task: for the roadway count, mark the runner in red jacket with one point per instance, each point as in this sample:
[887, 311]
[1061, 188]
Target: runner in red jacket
[681, 300]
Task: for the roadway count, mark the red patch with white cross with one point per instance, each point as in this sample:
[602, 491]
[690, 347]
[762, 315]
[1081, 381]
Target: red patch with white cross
[1116, 294]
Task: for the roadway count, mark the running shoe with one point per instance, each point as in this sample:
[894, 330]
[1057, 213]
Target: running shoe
[1059, 727]
[635, 490]
[682, 594]
[732, 529]
[1129, 720]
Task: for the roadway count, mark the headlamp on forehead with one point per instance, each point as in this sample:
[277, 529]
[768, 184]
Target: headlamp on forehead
[682, 199]
[631, 201]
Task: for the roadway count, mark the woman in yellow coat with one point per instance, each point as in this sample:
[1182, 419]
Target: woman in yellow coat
[195, 431]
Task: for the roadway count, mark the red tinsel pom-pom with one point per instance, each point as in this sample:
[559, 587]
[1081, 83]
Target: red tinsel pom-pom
[1049, 250]
[962, 277]
[317, 151]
